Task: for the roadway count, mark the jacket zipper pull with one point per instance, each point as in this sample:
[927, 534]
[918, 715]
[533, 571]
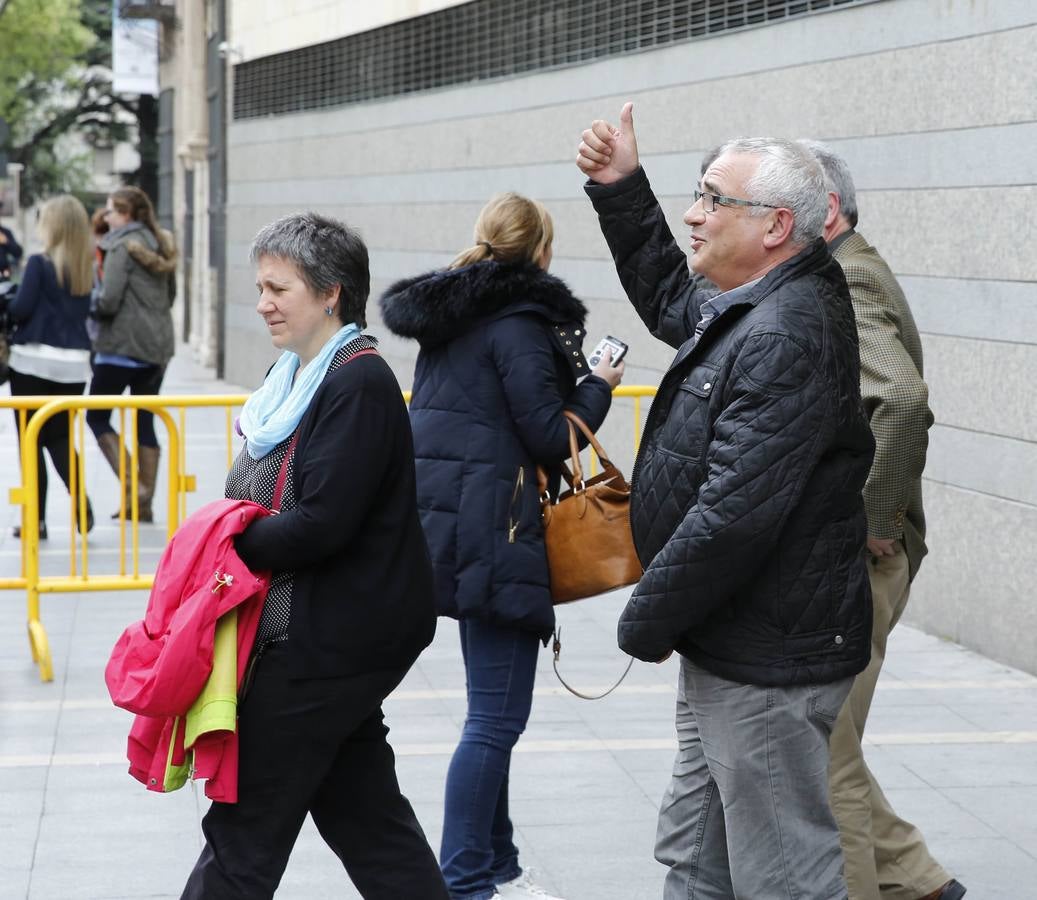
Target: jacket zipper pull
[515, 495]
[222, 581]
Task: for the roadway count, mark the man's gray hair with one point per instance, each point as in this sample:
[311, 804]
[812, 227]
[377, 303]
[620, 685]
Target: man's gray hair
[788, 176]
[709, 157]
[326, 252]
[837, 177]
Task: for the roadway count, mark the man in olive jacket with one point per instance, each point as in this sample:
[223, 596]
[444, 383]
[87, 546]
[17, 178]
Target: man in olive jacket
[747, 511]
[886, 856]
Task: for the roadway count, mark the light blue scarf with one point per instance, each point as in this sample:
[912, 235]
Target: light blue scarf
[273, 412]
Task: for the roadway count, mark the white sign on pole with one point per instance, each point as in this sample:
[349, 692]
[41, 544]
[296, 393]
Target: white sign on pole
[134, 54]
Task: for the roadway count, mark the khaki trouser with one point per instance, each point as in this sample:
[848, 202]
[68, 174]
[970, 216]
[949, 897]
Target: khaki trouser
[886, 857]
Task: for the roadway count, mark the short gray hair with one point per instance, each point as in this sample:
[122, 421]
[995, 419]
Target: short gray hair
[790, 177]
[326, 252]
[837, 178]
[709, 157]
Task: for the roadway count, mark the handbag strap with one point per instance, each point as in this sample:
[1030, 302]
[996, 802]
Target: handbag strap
[587, 433]
[282, 475]
[574, 476]
[557, 648]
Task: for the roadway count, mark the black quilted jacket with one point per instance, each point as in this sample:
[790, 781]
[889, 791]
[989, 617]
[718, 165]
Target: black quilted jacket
[747, 510]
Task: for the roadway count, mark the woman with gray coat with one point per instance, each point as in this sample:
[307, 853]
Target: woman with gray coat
[135, 336]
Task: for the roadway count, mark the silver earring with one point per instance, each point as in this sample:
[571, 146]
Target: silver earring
[328, 310]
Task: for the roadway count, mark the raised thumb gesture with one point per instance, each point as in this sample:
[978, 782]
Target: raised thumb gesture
[607, 153]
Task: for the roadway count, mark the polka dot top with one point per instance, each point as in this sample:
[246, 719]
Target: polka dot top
[256, 480]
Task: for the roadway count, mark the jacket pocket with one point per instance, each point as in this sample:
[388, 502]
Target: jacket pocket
[700, 380]
[689, 424]
[811, 644]
[515, 507]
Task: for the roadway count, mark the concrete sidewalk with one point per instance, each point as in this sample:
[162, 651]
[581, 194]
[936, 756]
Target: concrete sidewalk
[953, 740]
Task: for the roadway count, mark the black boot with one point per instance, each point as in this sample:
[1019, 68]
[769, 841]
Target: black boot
[17, 531]
[89, 519]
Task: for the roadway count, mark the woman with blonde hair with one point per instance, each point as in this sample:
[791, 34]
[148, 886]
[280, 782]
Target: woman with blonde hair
[135, 329]
[499, 362]
[50, 350]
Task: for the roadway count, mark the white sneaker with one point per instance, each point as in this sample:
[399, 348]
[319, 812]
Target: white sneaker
[523, 888]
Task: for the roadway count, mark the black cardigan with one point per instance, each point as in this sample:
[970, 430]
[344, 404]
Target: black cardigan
[363, 594]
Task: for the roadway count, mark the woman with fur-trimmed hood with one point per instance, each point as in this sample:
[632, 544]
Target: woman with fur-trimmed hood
[135, 330]
[498, 363]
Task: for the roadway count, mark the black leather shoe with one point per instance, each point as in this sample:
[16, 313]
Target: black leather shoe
[952, 890]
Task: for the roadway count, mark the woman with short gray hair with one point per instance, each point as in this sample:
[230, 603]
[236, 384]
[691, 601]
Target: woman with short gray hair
[350, 604]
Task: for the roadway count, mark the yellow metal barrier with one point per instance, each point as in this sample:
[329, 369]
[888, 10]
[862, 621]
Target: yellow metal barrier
[179, 484]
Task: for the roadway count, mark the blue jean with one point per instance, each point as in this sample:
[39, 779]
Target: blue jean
[747, 815]
[477, 850]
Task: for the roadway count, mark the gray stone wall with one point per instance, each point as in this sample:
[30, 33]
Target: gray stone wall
[934, 104]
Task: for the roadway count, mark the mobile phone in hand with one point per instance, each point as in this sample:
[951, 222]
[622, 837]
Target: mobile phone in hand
[609, 342]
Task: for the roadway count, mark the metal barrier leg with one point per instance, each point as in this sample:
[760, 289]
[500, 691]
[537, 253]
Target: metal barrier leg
[38, 643]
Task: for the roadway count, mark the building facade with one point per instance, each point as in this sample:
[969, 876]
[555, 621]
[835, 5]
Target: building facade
[404, 127]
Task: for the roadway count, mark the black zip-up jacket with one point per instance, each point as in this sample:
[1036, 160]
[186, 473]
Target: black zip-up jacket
[746, 511]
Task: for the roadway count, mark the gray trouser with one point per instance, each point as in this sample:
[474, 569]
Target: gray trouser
[746, 815]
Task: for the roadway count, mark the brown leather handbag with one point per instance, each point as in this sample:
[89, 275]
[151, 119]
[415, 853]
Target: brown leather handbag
[587, 532]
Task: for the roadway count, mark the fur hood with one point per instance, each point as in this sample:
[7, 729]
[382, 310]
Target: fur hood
[157, 256]
[161, 261]
[438, 306]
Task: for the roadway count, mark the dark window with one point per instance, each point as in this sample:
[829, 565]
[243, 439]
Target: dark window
[489, 39]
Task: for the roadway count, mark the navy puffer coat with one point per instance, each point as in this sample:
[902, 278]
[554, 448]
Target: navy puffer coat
[500, 355]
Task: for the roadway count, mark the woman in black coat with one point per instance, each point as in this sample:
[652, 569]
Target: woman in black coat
[350, 606]
[499, 362]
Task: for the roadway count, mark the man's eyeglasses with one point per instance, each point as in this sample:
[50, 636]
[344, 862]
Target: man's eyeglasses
[710, 202]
